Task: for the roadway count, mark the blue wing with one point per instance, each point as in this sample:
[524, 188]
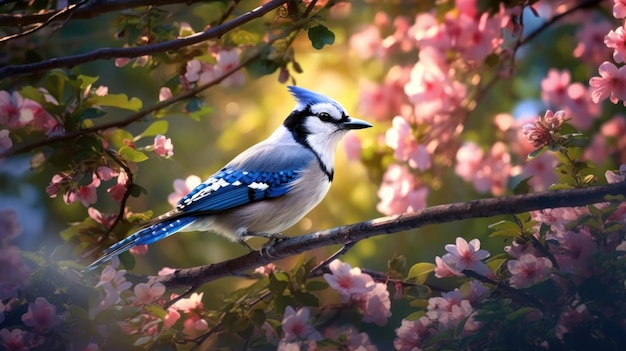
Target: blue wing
[231, 188]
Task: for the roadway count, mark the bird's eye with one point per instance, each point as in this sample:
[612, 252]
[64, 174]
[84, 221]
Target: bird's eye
[325, 117]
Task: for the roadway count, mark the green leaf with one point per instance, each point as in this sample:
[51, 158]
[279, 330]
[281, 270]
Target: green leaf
[91, 113]
[320, 36]
[561, 187]
[132, 155]
[316, 285]
[156, 128]
[86, 81]
[242, 37]
[156, 311]
[505, 229]
[306, 299]
[199, 114]
[536, 152]
[116, 100]
[415, 315]
[278, 282]
[420, 271]
[522, 187]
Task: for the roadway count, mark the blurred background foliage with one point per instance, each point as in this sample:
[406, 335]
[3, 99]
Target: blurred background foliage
[245, 115]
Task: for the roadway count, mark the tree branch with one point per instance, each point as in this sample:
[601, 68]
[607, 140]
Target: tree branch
[170, 45]
[353, 233]
[93, 9]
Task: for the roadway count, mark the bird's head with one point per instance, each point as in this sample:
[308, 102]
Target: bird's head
[320, 122]
[318, 115]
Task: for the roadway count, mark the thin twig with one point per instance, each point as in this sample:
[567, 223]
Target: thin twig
[129, 185]
[131, 52]
[66, 12]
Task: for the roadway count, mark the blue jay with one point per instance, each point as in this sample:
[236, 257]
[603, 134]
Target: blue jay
[265, 189]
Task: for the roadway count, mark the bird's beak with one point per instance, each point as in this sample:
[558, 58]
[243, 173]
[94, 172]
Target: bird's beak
[354, 123]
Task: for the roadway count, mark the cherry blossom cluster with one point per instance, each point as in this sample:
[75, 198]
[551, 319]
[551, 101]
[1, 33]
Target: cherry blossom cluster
[612, 81]
[18, 112]
[569, 251]
[40, 317]
[425, 100]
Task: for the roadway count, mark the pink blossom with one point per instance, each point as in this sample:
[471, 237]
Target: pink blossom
[106, 220]
[399, 193]
[443, 270]
[41, 316]
[139, 250]
[106, 173]
[367, 43]
[559, 218]
[199, 72]
[428, 32]
[528, 270]
[163, 146]
[612, 82]
[447, 311]
[147, 293]
[412, 335]
[14, 274]
[574, 251]
[554, 87]
[474, 291]
[56, 184]
[266, 270]
[296, 325]
[9, 225]
[347, 280]
[354, 341]
[479, 38]
[192, 304]
[5, 141]
[182, 188]
[400, 138]
[166, 271]
[171, 317]
[542, 131]
[465, 256]
[86, 193]
[611, 176]
[165, 93]
[113, 283]
[570, 318]
[13, 340]
[590, 36]
[468, 160]
[431, 87]
[375, 304]
[117, 192]
[616, 40]
[541, 168]
[494, 170]
[619, 8]
[14, 110]
[228, 60]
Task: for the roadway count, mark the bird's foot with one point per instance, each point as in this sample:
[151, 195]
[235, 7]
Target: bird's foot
[273, 239]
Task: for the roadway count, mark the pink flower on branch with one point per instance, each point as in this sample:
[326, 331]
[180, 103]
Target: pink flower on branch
[296, 326]
[399, 192]
[460, 257]
[619, 8]
[616, 40]
[348, 280]
[41, 316]
[611, 83]
[163, 146]
[400, 138]
[528, 270]
[543, 131]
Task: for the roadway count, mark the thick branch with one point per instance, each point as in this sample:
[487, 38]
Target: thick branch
[170, 45]
[353, 233]
[93, 9]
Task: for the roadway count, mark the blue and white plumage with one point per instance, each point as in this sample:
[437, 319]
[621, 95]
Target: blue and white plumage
[265, 189]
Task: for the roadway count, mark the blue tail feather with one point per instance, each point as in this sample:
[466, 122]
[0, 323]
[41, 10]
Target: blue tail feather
[145, 236]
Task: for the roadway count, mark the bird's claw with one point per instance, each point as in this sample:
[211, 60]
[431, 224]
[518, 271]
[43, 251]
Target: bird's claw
[268, 247]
